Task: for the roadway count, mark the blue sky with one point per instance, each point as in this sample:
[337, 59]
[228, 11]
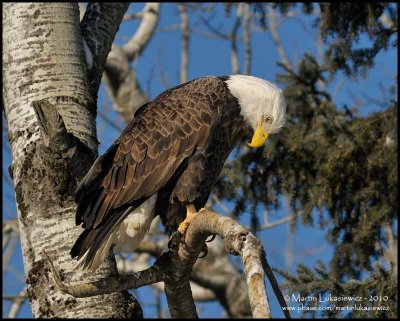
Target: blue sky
[209, 56]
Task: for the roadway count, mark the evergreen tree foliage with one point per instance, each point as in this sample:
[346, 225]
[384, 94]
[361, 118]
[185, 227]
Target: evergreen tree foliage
[331, 164]
[375, 296]
[342, 27]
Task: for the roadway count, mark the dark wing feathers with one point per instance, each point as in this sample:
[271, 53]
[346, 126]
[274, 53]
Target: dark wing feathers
[195, 182]
[146, 155]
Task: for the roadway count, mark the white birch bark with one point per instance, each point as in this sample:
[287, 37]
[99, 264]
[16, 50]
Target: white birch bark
[144, 32]
[43, 59]
[120, 79]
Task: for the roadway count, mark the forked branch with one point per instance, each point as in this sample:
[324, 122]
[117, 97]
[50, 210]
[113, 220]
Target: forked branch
[174, 267]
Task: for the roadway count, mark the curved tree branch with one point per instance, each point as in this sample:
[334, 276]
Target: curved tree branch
[141, 262]
[275, 36]
[174, 267]
[122, 86]
[145, 31]
[113, 283]
[225, 284]
[185, 42]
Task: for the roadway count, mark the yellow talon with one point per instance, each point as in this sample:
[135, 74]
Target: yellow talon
[190, 213]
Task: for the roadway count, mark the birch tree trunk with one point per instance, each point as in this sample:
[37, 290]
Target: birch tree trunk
[44, 60]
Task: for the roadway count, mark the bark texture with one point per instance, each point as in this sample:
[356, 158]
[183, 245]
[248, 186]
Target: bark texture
[99, 26]
[174, 267]
[50, 116]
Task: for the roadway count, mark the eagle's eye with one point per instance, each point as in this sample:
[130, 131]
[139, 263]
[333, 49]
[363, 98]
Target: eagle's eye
[269, 119]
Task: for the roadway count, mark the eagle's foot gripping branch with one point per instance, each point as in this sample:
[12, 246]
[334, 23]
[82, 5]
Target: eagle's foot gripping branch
[179, 235]
[190, 214]
[173, 269]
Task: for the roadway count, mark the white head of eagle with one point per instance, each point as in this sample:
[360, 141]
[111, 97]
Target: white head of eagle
[168, 158]
[262, 104]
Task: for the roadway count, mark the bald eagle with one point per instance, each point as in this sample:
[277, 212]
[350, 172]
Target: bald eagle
[168, 158]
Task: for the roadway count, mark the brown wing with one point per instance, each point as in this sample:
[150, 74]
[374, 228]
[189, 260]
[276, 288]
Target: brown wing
[175, 126]
[195, 183]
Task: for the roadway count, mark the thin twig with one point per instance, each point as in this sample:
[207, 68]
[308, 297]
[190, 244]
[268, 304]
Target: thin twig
[110, 122]
[390, 251]
[200, 7]
[10, 249]
[206, 33]
[185, 42]
[247, 39]
[173, 27]
[133, 16]
[273, 224]
[337, 88]
[219, 203]
[233, 34]
[18, 301]
[275, 286]
[213, 29]
[275, 36]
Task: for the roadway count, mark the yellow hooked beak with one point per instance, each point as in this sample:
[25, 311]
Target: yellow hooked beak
[259, 137]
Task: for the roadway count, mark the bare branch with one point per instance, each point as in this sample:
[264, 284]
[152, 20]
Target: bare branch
[133, 16]
[222, 284]
[10, 233]
[390, 252]
[216, 201]
[274, 284]
[201, 7]
[214, 30]
[275, 36]
[337, 88]
[18, 301]
[174, 267]
[144, 32]
[207, 34]
[185, 42]
[113, 283]
[11, 240]
[247, 39]
[10, 225]
[225, 281]
[141, 262]
[319, 44]
[233, 34]
[163, 75]
[110, 122]
[169, 28]
[268, 225]
[121, 84]
[289, 249]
